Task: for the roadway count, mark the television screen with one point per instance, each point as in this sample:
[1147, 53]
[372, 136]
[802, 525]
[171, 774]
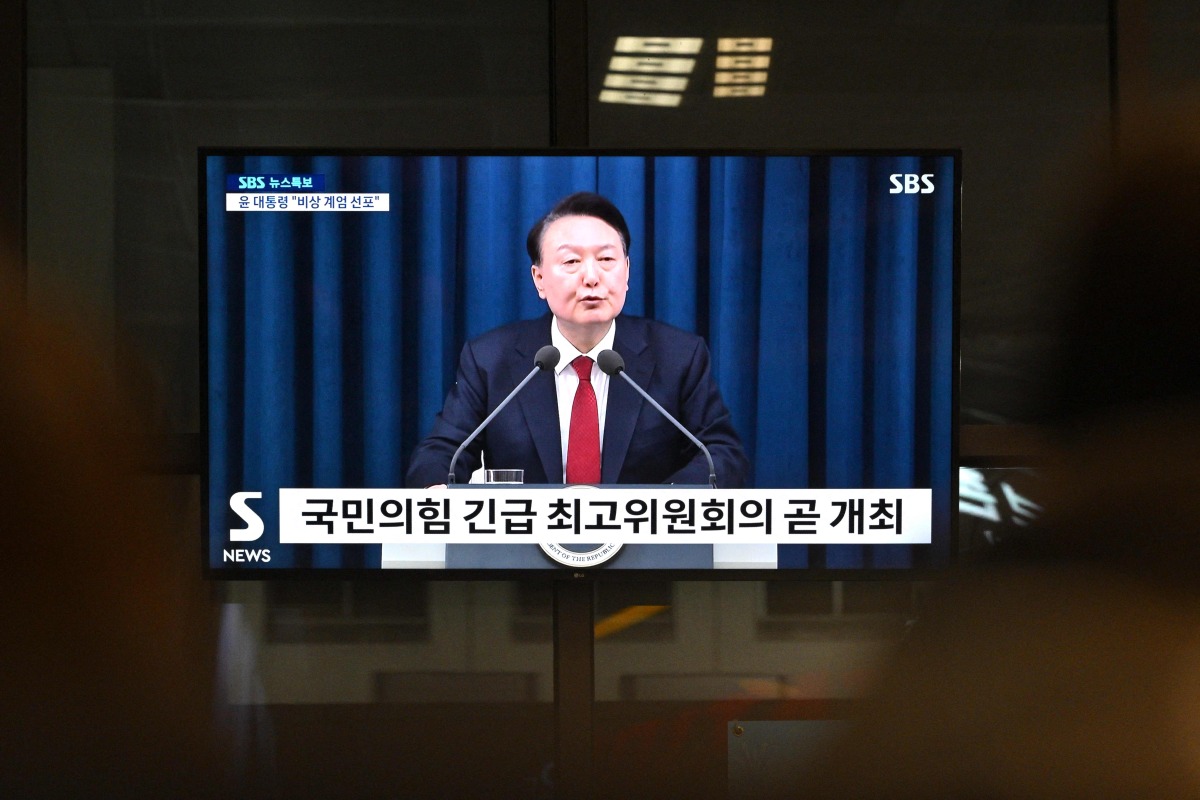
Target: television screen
[365, 312]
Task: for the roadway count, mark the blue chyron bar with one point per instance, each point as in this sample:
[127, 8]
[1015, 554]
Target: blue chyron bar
[817, 293]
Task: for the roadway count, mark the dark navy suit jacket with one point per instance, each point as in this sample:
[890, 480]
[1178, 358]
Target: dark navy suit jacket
[640, 445]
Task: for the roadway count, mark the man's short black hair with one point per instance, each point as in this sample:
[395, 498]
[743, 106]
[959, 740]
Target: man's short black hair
[580, 204]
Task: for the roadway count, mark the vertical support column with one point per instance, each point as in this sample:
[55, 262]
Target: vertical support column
[574, 675]
[12, 153]
[574, 687]
[1130, 90]
[568, 73]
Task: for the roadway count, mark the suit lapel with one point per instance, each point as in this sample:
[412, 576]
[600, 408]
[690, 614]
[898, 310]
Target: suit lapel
[624, 404]
[539, 400]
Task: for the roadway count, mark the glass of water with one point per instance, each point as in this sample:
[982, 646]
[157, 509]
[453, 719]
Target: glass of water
[504, 476]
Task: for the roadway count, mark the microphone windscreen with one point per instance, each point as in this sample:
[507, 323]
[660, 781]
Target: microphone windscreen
[610, 362]
[547, 357]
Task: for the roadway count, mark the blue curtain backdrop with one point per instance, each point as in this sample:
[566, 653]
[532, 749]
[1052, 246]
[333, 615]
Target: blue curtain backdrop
[826, 300]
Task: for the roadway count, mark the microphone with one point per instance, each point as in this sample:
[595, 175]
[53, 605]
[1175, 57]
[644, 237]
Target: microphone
[611, 363]
[546, 358]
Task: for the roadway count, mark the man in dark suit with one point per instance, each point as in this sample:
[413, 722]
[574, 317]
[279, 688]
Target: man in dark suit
[580, 267]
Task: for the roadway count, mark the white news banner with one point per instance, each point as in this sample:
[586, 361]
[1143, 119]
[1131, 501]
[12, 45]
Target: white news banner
[527, 515]
[307, 201]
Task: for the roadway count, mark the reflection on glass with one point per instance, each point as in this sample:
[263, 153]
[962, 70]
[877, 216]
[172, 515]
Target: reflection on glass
[388, 641]
[639, 72]
[785, 640]
[742, 75]
[994, 503]
[648, 71]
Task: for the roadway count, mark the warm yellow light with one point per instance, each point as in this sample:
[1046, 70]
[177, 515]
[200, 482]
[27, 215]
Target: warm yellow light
[658, 44]
[680, 66]
[625, 618]
[646, 83]
[739, 91]
[743, 62]
[740, 77]
[744, 45]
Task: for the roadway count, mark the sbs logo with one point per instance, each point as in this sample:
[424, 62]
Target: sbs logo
[908, 183]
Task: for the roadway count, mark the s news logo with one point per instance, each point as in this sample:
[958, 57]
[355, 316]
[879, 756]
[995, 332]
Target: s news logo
[909, 183]
[253, 530]
[251, 182]
[254, 523]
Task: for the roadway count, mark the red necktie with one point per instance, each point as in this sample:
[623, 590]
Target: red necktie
[583, 441]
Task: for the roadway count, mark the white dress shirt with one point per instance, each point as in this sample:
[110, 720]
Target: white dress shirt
[566, 381]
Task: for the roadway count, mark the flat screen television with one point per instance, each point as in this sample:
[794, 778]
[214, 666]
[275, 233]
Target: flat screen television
[339, 289]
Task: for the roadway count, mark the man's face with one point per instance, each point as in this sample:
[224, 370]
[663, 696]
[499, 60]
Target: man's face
[584, 273]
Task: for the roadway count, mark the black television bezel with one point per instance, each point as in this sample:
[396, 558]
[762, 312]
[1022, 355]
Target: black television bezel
[615, 574]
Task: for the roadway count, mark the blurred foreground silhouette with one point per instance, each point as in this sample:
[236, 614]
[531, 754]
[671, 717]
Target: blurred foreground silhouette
[1069, 665]
[108, 668]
